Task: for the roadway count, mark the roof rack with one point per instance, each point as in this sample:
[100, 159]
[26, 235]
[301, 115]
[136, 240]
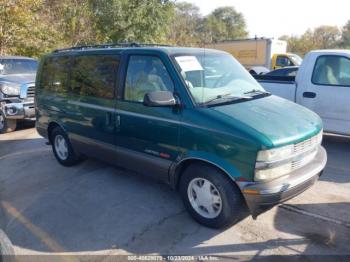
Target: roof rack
[109, 45]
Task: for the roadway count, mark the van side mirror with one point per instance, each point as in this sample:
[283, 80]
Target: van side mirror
[159, 98]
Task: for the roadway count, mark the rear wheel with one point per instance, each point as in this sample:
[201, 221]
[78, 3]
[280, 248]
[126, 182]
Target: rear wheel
[63, 149]
[210, 196]
[7, 125]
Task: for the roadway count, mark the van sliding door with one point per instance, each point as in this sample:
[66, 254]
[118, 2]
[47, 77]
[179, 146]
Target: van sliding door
[91, 105]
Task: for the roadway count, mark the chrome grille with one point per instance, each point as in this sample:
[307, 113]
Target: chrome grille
[30, 91]
[303, 161]
[308, 144]
[307, 149]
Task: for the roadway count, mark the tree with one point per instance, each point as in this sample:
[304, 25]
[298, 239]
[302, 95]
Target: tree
[17, 17]
[345, 37]
[184, 27]
[72, 19]
[33, 27]
[224, 23]
[137, 20]
[295, 44]
[323, 37]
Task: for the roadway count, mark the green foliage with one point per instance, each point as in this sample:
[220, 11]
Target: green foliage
[185, 25]
[326, 37]
[137, 20]
[71, 20]
[189, 28]
[322, 37]
[17, 17]
[34, 27]
[224, 23]
[345, 38]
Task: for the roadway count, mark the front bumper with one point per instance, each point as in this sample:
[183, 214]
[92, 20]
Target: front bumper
[19, 110]
[262, 196]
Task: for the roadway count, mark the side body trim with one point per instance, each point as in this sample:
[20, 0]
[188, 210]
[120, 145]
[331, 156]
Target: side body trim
[119, 156]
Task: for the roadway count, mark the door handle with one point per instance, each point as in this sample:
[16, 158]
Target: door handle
[118, 121]
[309, 94]
[108, 118]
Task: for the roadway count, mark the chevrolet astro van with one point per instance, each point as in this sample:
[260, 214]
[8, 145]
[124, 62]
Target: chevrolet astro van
[191, 117]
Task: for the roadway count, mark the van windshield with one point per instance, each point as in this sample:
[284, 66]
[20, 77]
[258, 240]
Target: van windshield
[216, 77]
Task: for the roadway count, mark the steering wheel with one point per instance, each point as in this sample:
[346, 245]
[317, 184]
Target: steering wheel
[222, 78]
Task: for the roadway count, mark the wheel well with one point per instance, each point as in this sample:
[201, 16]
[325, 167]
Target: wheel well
[51, 127]
[186, 163]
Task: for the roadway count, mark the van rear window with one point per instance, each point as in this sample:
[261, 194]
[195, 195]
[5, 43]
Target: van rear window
[94, 75]
[55, 74]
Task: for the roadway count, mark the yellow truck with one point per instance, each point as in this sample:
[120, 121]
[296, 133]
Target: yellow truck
[259, 55]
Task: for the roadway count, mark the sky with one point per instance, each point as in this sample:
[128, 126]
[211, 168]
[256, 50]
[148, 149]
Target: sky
[273, 18]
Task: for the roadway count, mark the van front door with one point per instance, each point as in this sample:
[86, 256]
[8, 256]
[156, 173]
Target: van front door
[147, 137]
[327, 92]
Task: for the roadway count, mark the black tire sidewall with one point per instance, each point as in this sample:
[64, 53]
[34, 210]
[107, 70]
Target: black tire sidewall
[72, 158]
[233, 205]
[9, 125]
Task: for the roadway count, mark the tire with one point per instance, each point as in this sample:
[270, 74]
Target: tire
[62, 148]
[7, 125]
[229, 210]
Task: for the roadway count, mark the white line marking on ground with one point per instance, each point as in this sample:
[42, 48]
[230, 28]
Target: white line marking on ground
[306, 213]
[25, 152]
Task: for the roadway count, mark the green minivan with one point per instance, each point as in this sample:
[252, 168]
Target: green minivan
[191, 117]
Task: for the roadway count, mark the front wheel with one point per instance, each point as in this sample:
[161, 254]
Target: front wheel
[210, 196]
[7, 125]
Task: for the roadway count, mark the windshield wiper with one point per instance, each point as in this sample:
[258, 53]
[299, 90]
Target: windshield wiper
[227, 96]
[257, 92]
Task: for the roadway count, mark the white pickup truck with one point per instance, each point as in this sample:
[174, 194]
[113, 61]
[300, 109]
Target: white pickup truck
[322, 84]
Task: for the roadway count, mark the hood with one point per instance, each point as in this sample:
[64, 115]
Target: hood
[18, 78]
[273, 120]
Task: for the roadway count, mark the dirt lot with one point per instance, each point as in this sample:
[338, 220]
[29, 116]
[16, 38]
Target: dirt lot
[95, 208]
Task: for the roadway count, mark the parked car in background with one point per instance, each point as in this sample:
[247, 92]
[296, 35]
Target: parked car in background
[194, 118]
[259, 70]
[286, 71]
[259, 54]
[17, 80]
[322, 84]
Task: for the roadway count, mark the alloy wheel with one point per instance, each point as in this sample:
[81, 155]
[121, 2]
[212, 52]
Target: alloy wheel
[204, 198]
[61, 147]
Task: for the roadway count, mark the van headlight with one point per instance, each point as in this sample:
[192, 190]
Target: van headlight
[269, 163]
[275, 154]
[273, 172]
[10, 89]
[277, 162]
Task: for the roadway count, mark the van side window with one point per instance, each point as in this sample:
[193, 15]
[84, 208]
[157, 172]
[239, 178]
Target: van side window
[332, 70]
[55, 74]
[94, 75]
[146, 74]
